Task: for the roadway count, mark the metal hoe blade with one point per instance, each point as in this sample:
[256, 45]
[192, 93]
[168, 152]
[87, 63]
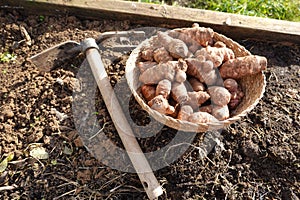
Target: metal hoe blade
[54, 56]
[58, 54]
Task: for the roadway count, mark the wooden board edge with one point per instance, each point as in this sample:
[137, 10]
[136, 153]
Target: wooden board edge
[231, 25]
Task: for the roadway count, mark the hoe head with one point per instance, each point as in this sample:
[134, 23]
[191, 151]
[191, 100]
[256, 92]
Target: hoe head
[57, 55]
[54, 56]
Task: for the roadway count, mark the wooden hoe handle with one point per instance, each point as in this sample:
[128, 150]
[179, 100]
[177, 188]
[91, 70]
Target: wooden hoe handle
[137, 157]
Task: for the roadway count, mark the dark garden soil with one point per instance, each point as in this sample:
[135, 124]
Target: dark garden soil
[255, 158]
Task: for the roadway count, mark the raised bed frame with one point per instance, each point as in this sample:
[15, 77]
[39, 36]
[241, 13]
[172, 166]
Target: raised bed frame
[234, 26]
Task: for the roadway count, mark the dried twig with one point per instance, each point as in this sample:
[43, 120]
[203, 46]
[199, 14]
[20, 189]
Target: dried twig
[64, 194]
[26, 36]
[9, 187]
[98, 131]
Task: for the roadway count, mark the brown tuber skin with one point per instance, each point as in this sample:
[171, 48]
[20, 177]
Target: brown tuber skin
[207, 109]
[219, 95]
[160, 104]
[219, 44]
[177, 48]
[161, 55]
[203, 70]
[203, 36]
[180, 76]
[148, 91]
[220, 112]
[201, 117]
[236, 93]
[196, 84]
[231, 85]
[179, 93]
[185, 112]
[197, 98]
[217, 55]
[143, 66]
[147, 54]
[157, 73]
[163, 88]
[243, 66]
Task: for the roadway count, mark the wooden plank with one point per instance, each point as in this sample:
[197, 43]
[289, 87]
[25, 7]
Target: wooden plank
[232, 25]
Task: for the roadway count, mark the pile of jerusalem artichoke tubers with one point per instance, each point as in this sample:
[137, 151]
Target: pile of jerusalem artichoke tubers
[187, 75]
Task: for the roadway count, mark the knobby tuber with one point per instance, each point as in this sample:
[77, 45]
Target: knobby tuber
[161, 104]
[217, 55]
[207, 108]
[162, 55]
[143, 66]
[177, 48]
[201, 117]
[157, 73]
[185, 112]
[180, 76]
[179, 93]
[197, 98]
[202, 70]
[219, 95]
[236, 92]
[148, 91]
[196, 84]
[220, 112]
[147, 54]
[243, 66]
[203, 36]
[231, 84]
[163, 88]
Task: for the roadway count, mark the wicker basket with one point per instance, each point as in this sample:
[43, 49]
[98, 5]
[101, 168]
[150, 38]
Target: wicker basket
[253, 86]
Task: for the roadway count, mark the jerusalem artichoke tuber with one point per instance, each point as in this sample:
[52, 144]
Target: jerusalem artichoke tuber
[219, 44]
[160, 104]
[148, 92]
[243, 66]
[231, 84]
[177, 48]
[196, 84]
[180, 76]
[157, 73]
[203, 71]
[143, 66]
[217, 55]
[219, 95]
[163, 88]
[207, 108]
[201, 117]
[185, 112]
[197, 98]
[236, 92]
[203, 36]
[161, 55]
[147, 54]
[179, 92]
[220, 112]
